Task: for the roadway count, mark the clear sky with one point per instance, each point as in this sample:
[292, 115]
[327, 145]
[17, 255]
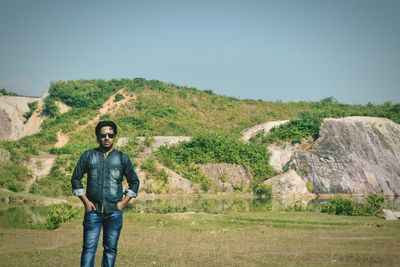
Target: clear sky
[298, 50]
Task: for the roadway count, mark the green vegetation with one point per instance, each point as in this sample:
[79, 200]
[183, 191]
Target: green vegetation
[158, 176]
[13, 174]
[262, 191]
[308, 123]
[294, 131]
[62, 213]
[341, 206]
[215, 148]
[168, 109]
[118, 97]
[32, 107]
[3, 91]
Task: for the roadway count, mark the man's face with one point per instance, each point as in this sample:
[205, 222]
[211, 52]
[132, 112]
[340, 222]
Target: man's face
[106, 137]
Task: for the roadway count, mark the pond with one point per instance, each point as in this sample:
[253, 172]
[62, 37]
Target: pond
[34, 217]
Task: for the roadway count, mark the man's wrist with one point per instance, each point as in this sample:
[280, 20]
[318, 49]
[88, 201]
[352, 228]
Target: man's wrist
[130, 193]
[78, 192]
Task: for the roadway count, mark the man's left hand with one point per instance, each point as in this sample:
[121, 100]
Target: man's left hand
[122, 204]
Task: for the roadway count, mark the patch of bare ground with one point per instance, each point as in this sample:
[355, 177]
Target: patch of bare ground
[110, 106]
[62, 139]
[266, 127]
[62, 108]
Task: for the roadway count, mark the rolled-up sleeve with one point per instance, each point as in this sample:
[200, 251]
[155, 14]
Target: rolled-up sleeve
[131, 177]
[77, 175]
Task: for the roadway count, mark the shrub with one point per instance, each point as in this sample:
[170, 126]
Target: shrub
[297, 206]
[3, 91]
[62, 213]
[295, 130]
[214, 148]
[161, 207]
[12, 175]
[118, 97]
[148, 165]
[32, 107]
[262, 191]
[310, 187]
[341, 206]
[149, 140]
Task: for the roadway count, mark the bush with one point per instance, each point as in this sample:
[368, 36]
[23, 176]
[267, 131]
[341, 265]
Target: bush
[62, 213]
[341, 206]
[310, 187]
[262, 191]
[32, 107]
[3, 91]
[295, 130]
[165, 207]
[297, 207]
[118, 97]
[13, 175]
[148, 165]
[214, 148]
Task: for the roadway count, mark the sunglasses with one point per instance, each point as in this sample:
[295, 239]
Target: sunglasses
[103, 135]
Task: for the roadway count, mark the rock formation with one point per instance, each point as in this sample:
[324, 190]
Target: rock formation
[354, 155]
[13, 123]
[289, 185]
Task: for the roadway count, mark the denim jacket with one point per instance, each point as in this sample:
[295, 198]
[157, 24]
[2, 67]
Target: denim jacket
[104, 178]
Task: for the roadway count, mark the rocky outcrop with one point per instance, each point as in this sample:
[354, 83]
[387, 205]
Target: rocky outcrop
[354, 155]
[227, 177]
[178, 184]
[281, 155]
[391, 215]
[13, 123]
[289, 185]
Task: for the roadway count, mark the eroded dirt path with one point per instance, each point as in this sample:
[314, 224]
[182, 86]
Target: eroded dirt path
[109, 107]
[266, 127]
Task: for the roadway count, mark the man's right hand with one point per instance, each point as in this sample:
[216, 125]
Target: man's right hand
[89, 206]
[87, 203]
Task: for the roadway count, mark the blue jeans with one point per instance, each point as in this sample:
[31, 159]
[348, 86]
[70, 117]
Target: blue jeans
[92, 223]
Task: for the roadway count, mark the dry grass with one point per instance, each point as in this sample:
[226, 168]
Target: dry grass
[235, 239]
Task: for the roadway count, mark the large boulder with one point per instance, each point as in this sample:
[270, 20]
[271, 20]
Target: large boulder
[354, 155]
[289, 185]
[178, 184]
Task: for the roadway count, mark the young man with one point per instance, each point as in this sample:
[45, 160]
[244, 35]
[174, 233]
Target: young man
[104, 200]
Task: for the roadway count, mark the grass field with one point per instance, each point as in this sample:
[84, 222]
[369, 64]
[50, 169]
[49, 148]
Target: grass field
[272, 238]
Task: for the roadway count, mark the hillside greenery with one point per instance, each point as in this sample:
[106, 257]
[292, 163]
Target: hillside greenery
[215, 121]
[3, 91]
[308, 123]
[215, 148]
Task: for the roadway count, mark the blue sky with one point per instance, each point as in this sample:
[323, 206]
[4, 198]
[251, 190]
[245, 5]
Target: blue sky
[298, 50]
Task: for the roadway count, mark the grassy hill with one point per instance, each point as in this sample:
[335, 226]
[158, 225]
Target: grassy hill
[158, 108]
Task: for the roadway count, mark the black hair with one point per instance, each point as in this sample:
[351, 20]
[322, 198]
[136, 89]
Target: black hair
[102, 124]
